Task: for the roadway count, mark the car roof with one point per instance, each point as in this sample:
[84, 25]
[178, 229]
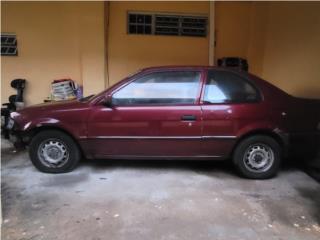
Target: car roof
[172, 67]
[196, 67]
[191, 67]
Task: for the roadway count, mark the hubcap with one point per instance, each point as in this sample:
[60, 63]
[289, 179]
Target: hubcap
[53, 153]
[259, 158]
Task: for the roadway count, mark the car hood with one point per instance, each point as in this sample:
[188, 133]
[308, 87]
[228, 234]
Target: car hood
[61, 105]
[51, 111]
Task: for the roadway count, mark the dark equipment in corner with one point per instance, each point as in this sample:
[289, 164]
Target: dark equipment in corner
[7, 108]
[234, 62]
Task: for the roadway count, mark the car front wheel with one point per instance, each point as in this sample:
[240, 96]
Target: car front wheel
[258, 157]
[54, 151]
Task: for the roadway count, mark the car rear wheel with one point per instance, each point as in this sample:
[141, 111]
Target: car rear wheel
[54, 151]
[258, 157]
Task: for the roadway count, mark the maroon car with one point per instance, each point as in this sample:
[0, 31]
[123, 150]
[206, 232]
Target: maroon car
[174, 113]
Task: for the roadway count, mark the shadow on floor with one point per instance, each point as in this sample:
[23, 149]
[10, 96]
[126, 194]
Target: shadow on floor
[204, 166]
[201, 166]
[209, 168]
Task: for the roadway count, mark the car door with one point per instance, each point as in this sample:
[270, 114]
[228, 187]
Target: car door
[154, 115]
[229, 103]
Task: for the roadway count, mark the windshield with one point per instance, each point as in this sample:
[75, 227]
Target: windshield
[90, 97]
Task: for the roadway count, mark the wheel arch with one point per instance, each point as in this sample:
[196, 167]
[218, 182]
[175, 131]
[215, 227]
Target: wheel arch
[278, 136]
[34, 131]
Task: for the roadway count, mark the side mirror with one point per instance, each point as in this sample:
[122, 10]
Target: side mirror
[107, 101]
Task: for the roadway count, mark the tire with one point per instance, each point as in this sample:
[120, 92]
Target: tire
[257, 157]
[53, 151]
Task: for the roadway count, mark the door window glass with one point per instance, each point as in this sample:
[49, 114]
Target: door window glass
[223, 86]
[177, 87]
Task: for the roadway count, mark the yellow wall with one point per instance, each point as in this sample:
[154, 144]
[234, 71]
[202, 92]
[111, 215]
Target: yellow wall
[292, 49]
[128, 53]
[257, 40]
[67, 39]
[55, 40]
[279, 39]
[241, 31]
[232, 24]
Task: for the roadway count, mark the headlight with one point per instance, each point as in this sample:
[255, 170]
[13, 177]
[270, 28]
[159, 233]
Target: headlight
[14, 114]
[10, 123]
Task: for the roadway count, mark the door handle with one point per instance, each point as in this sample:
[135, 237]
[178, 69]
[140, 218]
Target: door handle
[188, 118]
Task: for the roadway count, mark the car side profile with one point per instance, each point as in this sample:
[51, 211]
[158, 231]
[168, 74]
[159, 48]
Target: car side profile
[189, 112]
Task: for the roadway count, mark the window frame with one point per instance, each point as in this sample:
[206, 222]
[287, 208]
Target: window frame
[243, 78]
[141, 24]
[144, 74]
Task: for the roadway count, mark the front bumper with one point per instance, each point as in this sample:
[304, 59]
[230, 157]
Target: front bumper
[16, 137]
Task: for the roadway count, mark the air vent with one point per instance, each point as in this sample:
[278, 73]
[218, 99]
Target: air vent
[167, 24]
[9, 45]
[194, 26]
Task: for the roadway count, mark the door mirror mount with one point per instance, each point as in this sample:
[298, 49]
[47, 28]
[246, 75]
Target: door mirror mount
[107, 101]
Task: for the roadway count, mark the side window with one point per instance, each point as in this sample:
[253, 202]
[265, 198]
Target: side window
[225, 87]
[177, 87]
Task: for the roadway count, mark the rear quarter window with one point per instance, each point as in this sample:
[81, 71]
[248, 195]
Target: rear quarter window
[228, 87]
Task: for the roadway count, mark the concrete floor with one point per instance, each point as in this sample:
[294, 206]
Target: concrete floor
[154, 200]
